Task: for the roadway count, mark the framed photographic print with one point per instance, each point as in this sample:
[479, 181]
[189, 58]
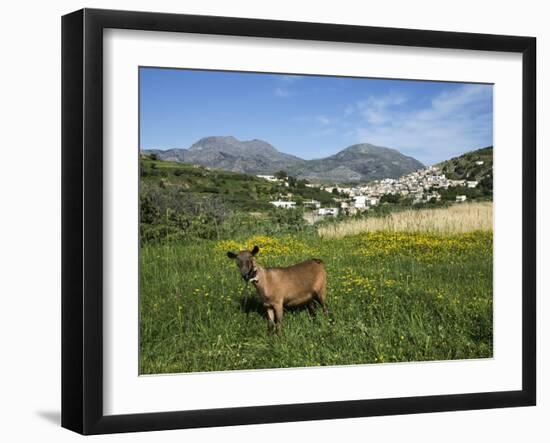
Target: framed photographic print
[269, 221]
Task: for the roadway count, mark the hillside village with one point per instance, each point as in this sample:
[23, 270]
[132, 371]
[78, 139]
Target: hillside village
[422, 186]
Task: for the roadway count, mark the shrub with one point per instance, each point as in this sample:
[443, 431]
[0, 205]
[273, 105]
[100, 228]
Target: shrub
[172, 212]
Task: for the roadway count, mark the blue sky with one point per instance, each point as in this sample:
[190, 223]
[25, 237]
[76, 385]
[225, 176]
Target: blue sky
[314, 116]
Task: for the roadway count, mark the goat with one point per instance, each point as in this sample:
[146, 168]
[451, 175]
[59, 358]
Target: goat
[300, 284]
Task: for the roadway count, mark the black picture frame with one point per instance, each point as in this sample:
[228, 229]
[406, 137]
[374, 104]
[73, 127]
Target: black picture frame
[82, 218]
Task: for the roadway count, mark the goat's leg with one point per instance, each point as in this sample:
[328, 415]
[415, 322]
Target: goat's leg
[321, 298]
[325, 307]
[311, 308]
[278, 317]
[270, 320]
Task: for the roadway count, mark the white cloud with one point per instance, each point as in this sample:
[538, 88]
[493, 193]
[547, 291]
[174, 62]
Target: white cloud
[377, 109]
[282, 92]
[350, 109]
[453, 122]
[324, 120]
[285, 83]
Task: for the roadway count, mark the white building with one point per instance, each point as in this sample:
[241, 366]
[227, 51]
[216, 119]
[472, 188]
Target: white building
[365, 201]
[433, 196]
[328, 211]
[283, 204]
[312, 204]
[457, 182]
[479, 162]
[360, 202]
[460, 198]
[269, 178]
[472, 183]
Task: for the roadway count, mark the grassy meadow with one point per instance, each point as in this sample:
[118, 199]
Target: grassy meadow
[450, 220]
[397, 292]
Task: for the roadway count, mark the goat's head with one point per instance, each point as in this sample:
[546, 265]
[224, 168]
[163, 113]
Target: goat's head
[245, 262]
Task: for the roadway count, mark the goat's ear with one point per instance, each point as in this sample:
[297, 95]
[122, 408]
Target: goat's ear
[255, 250]
[231, 254]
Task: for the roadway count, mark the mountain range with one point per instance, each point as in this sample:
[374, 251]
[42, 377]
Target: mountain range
[360, 162]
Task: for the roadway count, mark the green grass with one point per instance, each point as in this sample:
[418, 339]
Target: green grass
[393, 297]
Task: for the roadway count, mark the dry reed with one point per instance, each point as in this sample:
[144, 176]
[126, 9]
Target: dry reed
[465, 217]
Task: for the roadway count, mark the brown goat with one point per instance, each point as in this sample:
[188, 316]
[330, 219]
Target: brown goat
[301, 284]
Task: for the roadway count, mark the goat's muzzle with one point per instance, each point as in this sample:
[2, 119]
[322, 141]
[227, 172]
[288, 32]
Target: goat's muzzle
[250, 275]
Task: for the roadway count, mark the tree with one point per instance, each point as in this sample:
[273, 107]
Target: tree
[486, 185]
[390, 198]
[281, 175]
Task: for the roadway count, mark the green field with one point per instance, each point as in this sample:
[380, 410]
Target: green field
[393, 297]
